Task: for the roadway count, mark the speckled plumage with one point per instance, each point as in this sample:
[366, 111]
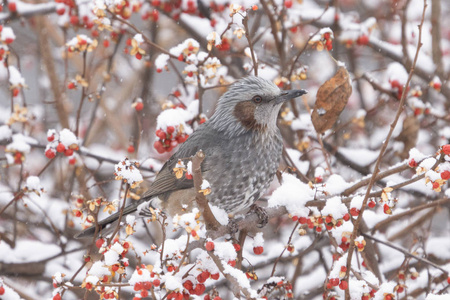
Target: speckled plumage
[242, 147]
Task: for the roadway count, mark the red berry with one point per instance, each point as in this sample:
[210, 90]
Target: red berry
[50, 138]
[74, 20]
[60, 11]
[258, 250]
[50, 153]
[170, 129]
[215, 276]
[209, 246]
[412, 163]
[144, 293]
[12, 6]
[334, 281]
[346, 217]
[147, 285]
[372, 204]
[302, 220]
[156, 282]
[232, 263]
[343, 285]
[106, 43]
[16, 92]
[99, 243]
[139, 105]
[57, 297]
[446, 149]
[2, 290]
[199, 289]
[131, 149]
[68, 152]
[288, 3]
[188, 285]
[159, 147]
[138, 56]
[71, 85]
[60, 148]
[354, 211]
[363, 40]
[237, 247]
[436, 185]
[445, 175]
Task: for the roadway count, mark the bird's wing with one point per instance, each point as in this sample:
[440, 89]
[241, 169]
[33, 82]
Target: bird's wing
[165, 181]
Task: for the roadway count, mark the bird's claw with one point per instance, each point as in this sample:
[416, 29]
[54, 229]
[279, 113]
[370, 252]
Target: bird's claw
[263, 217]
[233, 227]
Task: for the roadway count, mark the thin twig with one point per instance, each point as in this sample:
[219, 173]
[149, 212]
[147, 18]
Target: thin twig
[383, 149]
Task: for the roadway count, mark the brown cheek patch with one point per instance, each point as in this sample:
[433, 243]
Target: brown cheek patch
[245, 113]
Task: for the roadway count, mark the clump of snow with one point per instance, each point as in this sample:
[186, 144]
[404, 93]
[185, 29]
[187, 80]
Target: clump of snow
[5, 132]
[19, 143]
[173, 282]
[358, 288]
[258, 240]
[415, 154]
[225, 251]
[205, 185]
[127, 170]
[173, 247]
[112, 255]
[335, 208]
[161, 61]
[175, 117]
[385, 289]
[357, 202]
[67, 138]
[144, 276]
[240, 277]
[97, 271]
[7, 34]
[336, 184]
[293, 194]
[130, 219]
[396, 71]
[138, 38]
[362, 157]
[219, 213]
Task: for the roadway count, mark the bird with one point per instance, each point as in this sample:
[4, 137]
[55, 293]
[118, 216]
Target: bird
[242, 145]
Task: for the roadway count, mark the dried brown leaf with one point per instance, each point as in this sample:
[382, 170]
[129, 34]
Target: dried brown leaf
[331, 99]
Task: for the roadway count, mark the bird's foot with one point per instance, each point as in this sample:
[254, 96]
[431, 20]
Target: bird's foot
[233, 227]
[263, 217]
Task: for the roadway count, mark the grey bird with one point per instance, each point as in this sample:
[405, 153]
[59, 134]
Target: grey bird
[242, 146]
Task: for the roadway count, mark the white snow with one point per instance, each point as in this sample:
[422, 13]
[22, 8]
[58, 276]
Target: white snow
[293, 194]
[5, 132]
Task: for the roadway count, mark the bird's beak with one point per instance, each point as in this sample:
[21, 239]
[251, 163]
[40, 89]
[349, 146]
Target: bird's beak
[288, 95]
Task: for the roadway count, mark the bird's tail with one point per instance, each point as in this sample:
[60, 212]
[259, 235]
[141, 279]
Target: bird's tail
[107, 226]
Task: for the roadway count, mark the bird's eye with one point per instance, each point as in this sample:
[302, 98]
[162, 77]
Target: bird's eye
[257, 99]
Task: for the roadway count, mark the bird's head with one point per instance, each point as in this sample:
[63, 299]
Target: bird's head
[251, 103]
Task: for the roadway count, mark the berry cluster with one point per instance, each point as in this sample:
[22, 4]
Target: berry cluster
[398, 87]
[63, 142]
[317, 221]
[169, 138]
